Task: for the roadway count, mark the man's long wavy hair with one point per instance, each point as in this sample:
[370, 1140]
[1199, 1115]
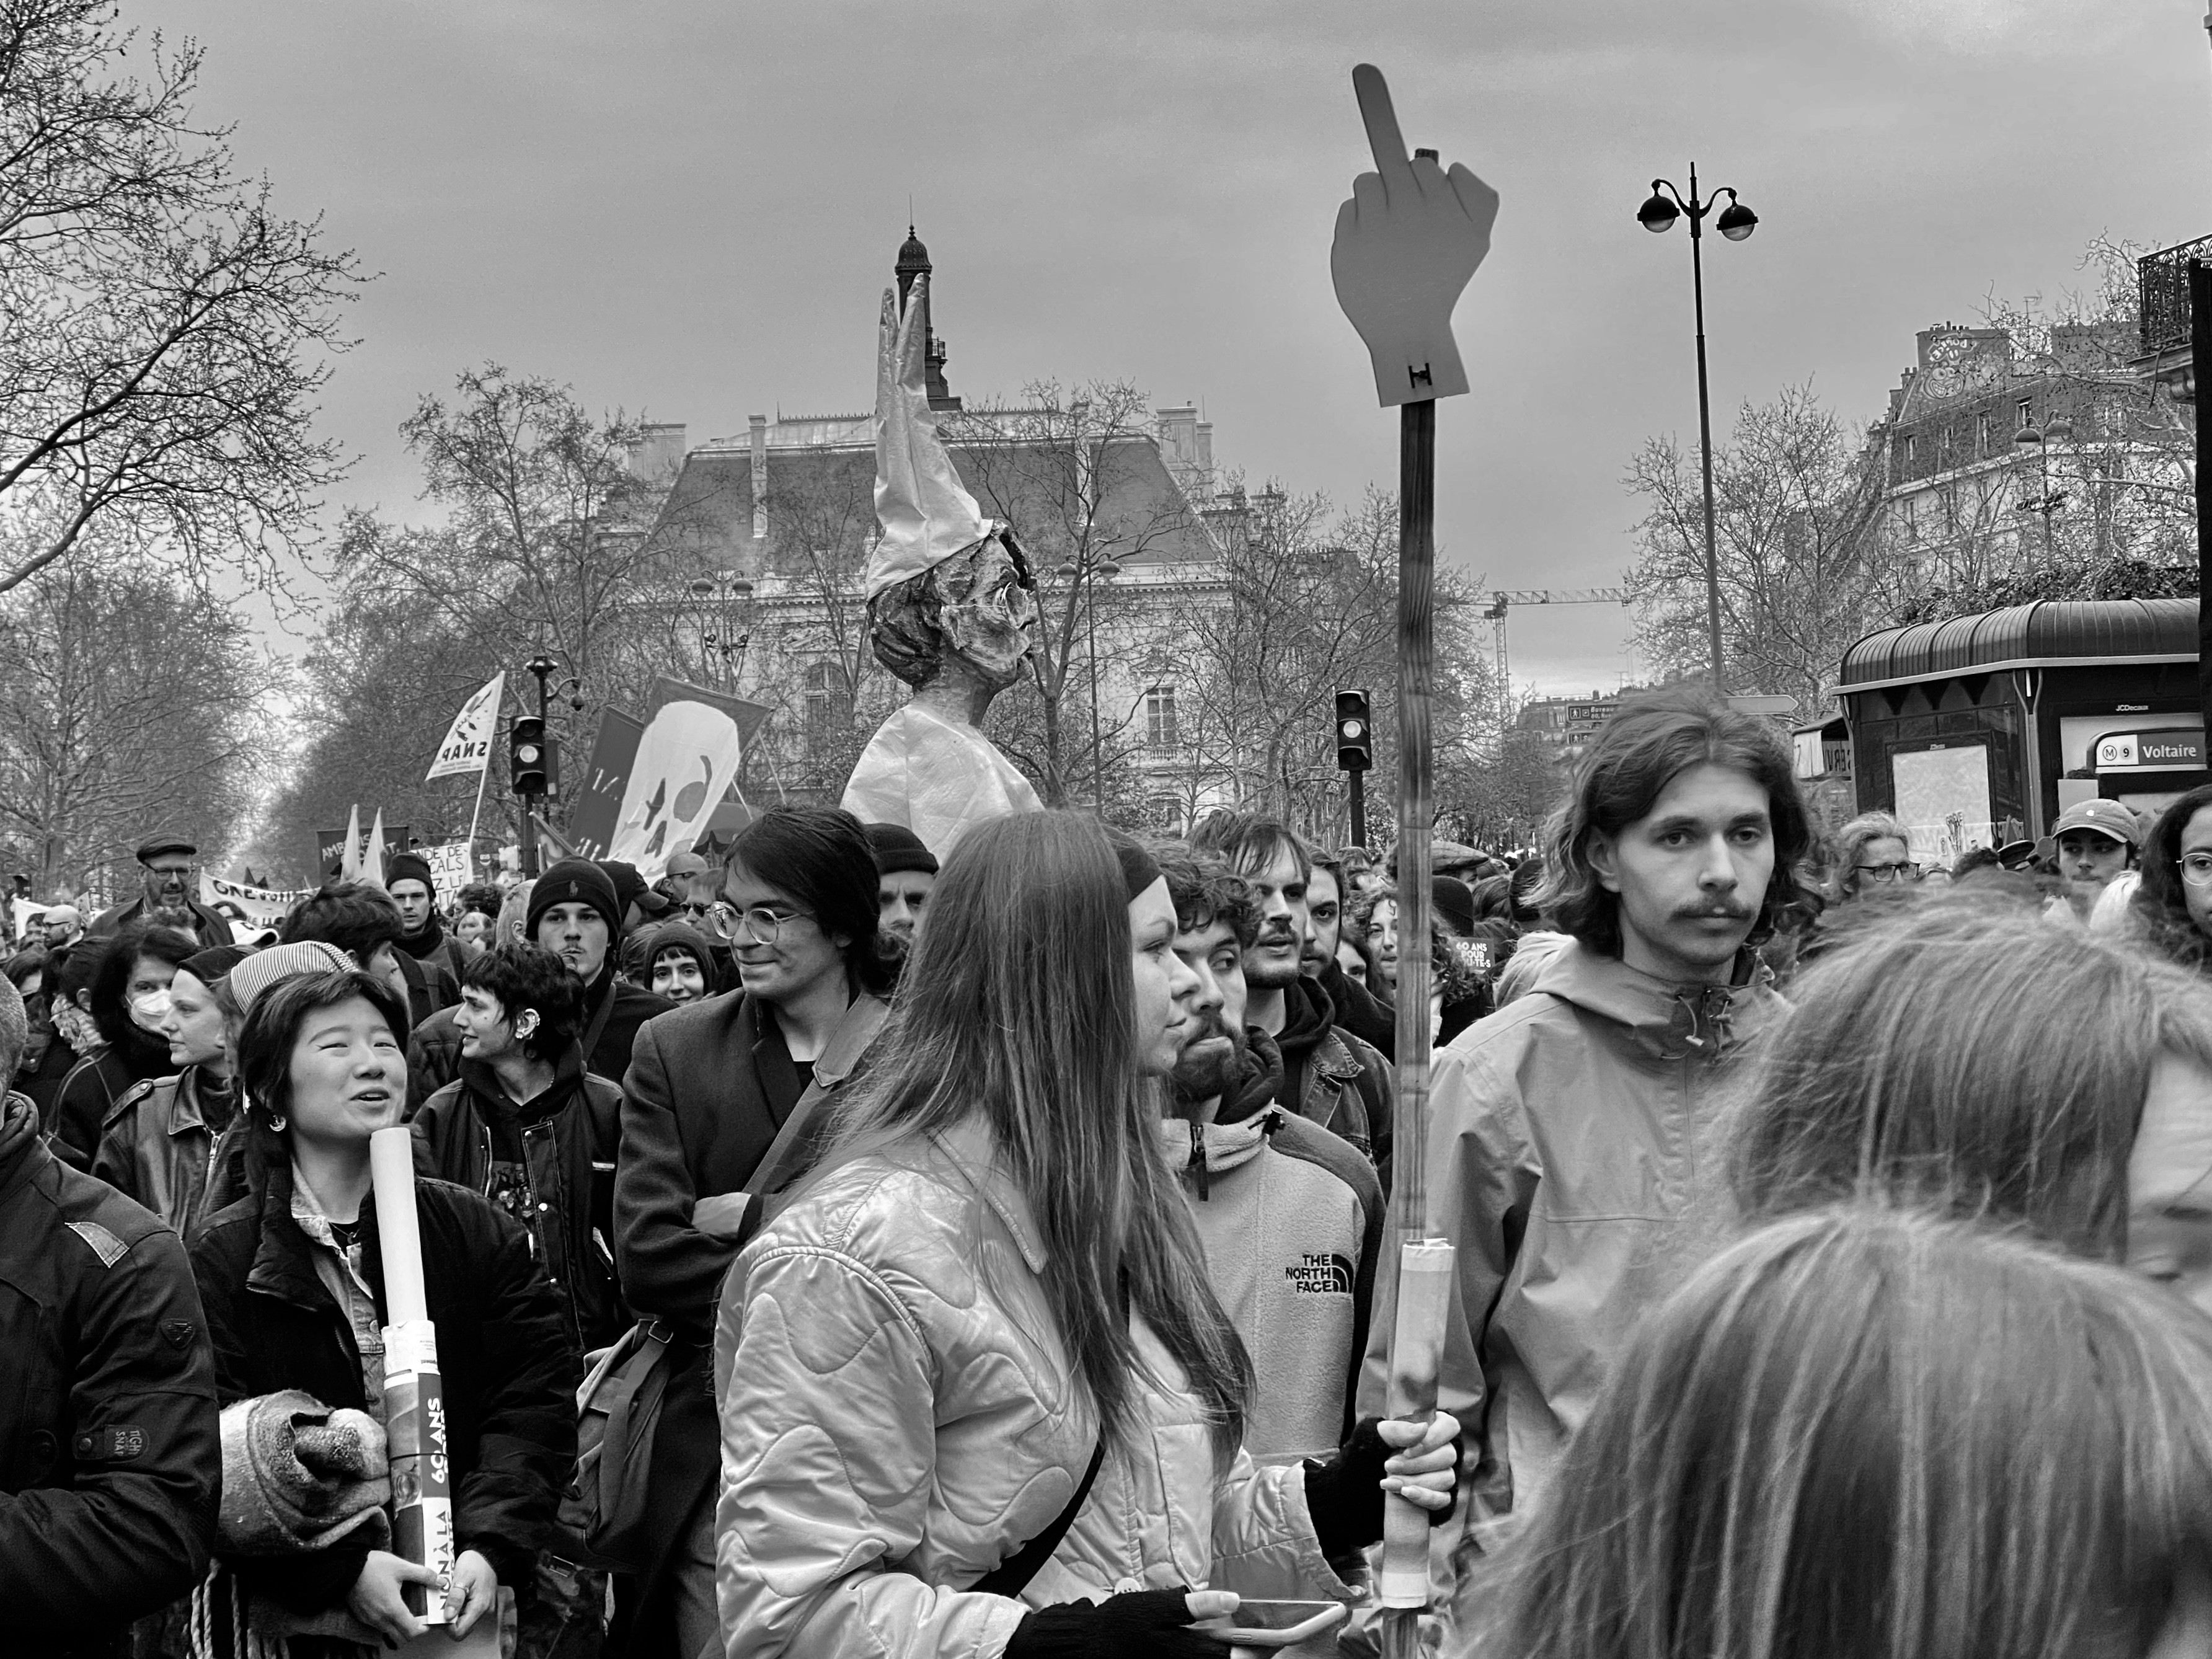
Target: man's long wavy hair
[1018, 1009]
[1642, 749]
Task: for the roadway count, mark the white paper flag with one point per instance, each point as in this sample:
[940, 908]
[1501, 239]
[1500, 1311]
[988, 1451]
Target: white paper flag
[467, 747]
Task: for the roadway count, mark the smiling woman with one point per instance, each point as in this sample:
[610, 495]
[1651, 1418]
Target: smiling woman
[292, 1276]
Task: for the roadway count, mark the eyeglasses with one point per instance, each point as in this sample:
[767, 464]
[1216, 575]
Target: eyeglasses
[762, 925]
[2197, 869]
[1890, 871]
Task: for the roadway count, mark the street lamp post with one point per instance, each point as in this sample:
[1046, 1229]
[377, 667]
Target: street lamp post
[1736, 222]
[1085, 576]
[724, 590]
[2048, 503]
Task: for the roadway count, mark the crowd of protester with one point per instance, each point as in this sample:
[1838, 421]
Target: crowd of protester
[840, 1248]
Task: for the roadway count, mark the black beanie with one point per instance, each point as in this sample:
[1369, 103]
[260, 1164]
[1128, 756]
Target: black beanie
[897, 848]
[407, 867]
[573, 881]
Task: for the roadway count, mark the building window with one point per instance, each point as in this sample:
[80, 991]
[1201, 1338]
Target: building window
[2026, 412]
[1160, 718]
[1911, 451]
[1982, 433]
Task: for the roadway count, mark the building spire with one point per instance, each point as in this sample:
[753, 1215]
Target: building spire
[913, 262]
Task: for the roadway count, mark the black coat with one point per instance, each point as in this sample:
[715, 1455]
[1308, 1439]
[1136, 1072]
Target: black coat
[566, 1138]
[509, 1374]
[110, 1464]
[708, 1086]
[96, 1086]
[211, 927]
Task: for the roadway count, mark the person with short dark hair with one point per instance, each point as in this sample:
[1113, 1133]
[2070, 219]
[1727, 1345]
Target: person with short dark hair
[526, 1125]
[1330, 1076]
[407, 879]
[675, 960]
[65, 979]
[709, 1088]
[167, 1139]
[362, 921]
[170, 899]
[1569, 1156]
[292, 1278]
[1290, 1217]
[111, 1463]
[129, 1003]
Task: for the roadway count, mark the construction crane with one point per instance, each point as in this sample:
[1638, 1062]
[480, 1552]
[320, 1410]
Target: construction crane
[1505, 599]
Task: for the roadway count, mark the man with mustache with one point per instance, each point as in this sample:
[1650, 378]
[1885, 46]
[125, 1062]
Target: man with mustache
[1570, 1150]
[1330, 1076]
[171, 879]
[1290, 1215]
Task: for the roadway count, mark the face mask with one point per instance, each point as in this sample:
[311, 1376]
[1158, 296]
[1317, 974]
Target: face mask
[149, 1008]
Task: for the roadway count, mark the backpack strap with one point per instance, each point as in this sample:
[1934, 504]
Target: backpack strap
[1011, 1576]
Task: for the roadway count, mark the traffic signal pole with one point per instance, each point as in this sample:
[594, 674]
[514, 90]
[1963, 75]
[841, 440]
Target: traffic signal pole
[1358, 789]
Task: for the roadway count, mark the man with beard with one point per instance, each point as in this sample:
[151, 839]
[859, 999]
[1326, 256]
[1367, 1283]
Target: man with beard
[905, 872]
[407, 877]
[1290, 1215]
[1330, 1076]
[169, 878]
[1358, 1010]
[1571, 1143]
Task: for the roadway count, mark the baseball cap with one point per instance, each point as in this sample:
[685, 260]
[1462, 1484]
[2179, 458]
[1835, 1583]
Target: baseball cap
[2106, 818]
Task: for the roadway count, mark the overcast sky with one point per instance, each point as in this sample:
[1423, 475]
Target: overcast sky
[690, 211]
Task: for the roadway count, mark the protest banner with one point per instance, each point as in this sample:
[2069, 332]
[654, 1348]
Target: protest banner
[687, 760]
[331, 846]
[451, 869]
[467, 747]
[257, 907]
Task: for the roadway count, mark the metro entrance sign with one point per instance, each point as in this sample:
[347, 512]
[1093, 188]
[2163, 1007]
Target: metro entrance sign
[2151, 751]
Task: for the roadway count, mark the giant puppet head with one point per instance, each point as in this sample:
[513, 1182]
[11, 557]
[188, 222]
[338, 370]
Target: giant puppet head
[950, 607]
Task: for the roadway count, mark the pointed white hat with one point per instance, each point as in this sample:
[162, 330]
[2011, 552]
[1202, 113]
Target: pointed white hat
[924, 512]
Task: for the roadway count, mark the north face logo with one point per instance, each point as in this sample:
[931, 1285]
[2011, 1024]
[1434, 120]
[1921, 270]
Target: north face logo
[1321, 1275]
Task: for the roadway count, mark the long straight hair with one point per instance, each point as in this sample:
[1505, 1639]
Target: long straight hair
[1018, 1010]
[1970, 1058]
[1872, 1434]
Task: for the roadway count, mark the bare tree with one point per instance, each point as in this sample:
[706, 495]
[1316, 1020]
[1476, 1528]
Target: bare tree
[161, 329]
[1080, 478]
[1801, 577]
[130, 700]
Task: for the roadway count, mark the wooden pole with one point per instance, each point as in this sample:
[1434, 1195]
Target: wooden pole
[2200, 353]
[1405, 1537]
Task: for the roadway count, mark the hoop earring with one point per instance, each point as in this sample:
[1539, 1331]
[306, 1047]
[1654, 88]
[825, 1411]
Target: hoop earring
[277, 1123]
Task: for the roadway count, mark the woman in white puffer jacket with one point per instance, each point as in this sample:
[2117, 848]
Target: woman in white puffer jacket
[990, 1295]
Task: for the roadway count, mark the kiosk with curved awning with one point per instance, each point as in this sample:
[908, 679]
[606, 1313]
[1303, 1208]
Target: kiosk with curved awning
[1980, 729]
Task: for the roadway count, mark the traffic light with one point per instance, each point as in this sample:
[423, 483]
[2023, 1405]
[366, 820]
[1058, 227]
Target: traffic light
[528, 758]
[1355, 732]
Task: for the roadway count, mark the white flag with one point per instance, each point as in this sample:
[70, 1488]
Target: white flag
[467, 747]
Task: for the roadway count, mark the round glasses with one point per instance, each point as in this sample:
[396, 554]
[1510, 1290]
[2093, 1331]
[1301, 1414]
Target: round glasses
[763, 924]
[1890, 871]
[2196, 869]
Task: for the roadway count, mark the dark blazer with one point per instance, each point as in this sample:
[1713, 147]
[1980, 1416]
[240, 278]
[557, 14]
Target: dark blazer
[509, 1374]
[708, 1086]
